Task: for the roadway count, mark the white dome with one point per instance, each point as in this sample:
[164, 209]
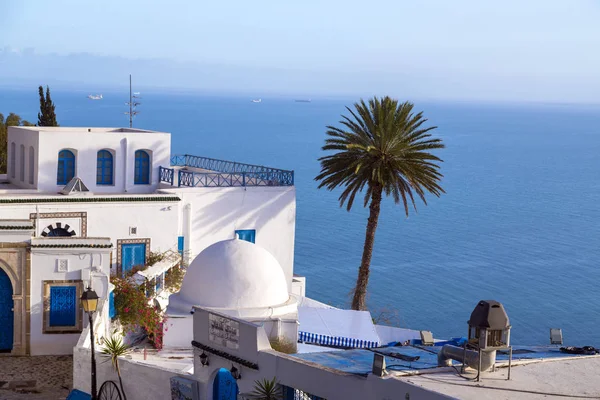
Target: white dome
[232, 274]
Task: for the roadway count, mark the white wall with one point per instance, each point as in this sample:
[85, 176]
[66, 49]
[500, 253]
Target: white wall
[141, 382]
[26, 137]
[218, 212]
[85, 145]
[156, 220]
[44, 268]
[293, 372]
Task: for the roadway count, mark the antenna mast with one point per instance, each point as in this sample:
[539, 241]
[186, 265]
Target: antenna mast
[133, 103]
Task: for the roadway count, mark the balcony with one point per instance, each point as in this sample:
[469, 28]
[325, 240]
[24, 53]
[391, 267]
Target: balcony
[192, 171]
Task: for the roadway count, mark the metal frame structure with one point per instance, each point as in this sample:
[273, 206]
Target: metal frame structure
[221, 173]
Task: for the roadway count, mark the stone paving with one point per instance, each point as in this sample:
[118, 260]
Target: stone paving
[37, 378]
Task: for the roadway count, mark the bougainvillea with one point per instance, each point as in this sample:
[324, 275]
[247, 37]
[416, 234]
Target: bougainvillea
[133, 310]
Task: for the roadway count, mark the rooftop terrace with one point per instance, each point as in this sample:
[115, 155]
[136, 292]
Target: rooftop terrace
[193, 171]
[538, 371]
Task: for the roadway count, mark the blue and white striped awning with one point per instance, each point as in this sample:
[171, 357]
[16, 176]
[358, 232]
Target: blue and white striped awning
[337, 328]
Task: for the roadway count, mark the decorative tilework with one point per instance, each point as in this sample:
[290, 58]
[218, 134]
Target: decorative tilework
[83, 215]
[62, 265]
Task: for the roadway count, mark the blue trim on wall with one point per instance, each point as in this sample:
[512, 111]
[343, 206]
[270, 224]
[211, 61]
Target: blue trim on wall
[180, 243]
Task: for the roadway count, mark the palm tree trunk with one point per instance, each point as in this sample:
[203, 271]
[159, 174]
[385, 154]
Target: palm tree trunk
[360, 291]
[121, 381]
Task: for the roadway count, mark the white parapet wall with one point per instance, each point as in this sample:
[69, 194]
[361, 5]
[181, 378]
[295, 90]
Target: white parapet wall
[141, 381]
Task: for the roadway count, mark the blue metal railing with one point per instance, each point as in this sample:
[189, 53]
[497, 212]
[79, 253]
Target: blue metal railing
[166, 175]
[222, 173]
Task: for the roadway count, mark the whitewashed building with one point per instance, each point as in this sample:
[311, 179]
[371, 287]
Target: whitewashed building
[79, 204]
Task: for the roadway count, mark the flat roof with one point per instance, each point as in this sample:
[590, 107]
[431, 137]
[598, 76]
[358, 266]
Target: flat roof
[73, 129]
[360, 361]
[567, 377]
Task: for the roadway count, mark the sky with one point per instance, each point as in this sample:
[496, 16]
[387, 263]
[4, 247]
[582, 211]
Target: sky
[541, 50]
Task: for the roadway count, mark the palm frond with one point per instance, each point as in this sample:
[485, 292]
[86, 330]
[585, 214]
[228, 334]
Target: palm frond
[114, 348]
[267, 389]
[381, 143]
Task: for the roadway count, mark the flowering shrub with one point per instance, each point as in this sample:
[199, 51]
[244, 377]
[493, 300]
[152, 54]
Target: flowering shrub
[134, 311]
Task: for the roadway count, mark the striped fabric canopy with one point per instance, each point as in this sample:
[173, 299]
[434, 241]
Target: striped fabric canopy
[337, 328]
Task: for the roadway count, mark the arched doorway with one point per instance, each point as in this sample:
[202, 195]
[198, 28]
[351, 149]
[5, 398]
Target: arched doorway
[224, 386]
[6, 313]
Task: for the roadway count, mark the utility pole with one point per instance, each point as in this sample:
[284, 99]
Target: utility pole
[133, 103]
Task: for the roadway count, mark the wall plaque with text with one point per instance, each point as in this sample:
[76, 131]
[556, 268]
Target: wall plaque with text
[223, 331]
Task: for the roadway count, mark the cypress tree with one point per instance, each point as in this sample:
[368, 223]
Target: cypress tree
[46, 116]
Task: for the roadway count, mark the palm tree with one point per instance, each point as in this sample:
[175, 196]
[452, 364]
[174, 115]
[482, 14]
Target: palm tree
[114, 348]
[266, 390]
[383, 148]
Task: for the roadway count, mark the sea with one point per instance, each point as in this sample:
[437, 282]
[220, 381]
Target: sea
[519, 223]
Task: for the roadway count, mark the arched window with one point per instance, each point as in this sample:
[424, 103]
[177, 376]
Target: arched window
[66, 167]
[142, 168]
[22, 163]
[13, 161]
[31, 164]
[104, 169]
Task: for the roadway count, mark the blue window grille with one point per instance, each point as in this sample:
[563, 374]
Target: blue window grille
[180, 242]
[63, 306]
[104, 169]
[142, 168]
[66, 167]
[249, 235]
[132, 255]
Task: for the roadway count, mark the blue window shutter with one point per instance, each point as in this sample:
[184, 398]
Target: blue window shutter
[142, 168]
[249, 235]
[63, 306]
[66, 167]
[132, 255]
[104, 169]
[180, 241]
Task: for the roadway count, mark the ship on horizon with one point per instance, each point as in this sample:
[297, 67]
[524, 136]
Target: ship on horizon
[303, 100]
[95, 97]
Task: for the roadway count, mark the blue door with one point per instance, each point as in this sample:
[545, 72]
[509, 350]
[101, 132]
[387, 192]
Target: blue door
[132, 255]
[224, 386]
[6, 312]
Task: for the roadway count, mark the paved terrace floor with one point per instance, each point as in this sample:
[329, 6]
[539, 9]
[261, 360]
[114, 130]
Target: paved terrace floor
[570, 378]
[36, 378]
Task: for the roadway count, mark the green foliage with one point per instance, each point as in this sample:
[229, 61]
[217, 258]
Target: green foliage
[47, 115]
[283, 345]
[267, 389]
[382, 144]
[133, 310]
[381, 148]
[174, 279]
[153, 258]
[12, 120]
[115, 348]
